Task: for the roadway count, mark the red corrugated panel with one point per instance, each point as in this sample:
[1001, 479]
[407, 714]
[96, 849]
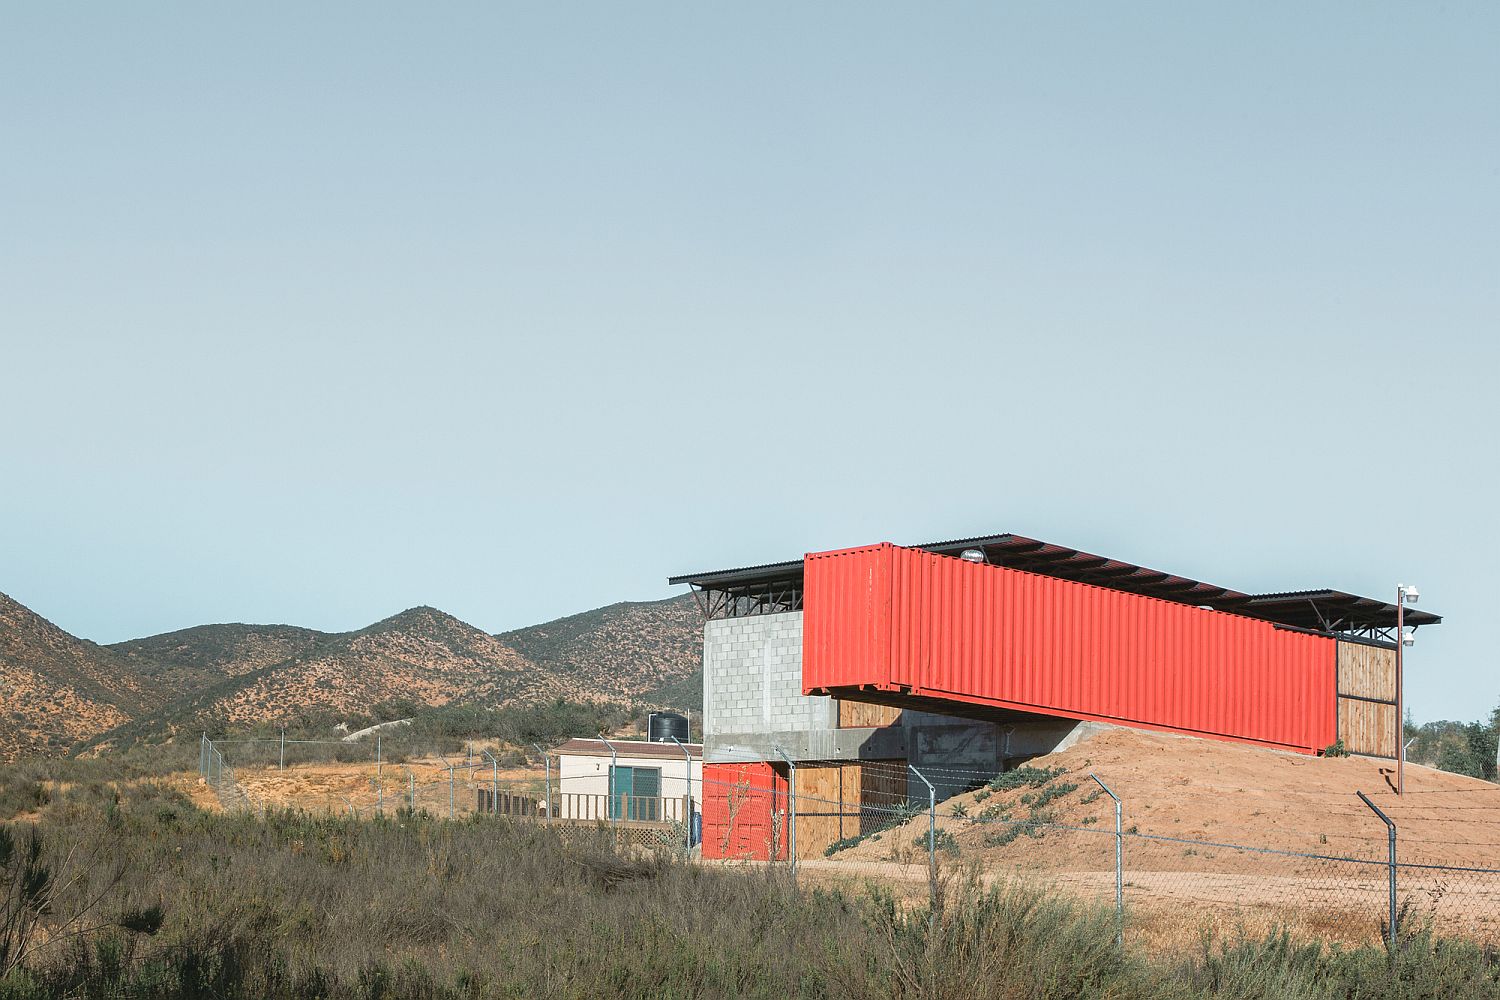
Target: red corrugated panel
[936, 626]
[741, 806]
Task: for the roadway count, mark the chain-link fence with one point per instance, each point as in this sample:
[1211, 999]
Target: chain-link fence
[1333, 869]
[386, 777]
[1337, 872]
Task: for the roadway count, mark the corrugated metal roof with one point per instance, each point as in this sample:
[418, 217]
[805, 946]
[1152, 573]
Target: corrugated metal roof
[1313, 609]
[1015, 551]
[765, 571]
[629, 748]
[1320, 609]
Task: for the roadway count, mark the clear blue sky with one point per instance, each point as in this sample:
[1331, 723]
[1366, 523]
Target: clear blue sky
[311, 314]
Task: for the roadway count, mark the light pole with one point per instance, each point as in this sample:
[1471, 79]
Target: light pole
[1404, 593]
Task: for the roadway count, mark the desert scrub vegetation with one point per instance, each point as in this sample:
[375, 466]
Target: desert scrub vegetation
[180, 904]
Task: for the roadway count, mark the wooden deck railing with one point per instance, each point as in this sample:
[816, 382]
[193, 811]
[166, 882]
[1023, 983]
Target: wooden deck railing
[583, 806]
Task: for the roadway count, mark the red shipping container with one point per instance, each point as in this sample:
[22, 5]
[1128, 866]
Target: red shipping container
[917, 624]
[744, 809]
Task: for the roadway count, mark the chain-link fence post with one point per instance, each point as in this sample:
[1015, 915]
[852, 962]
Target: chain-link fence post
[687, 800]
[932, 883]
[494, 780]
[379, 779]
[281, 766]
[1119, 862]
[547, 763]
[203, 756]
[1390, 832]
[791, 812]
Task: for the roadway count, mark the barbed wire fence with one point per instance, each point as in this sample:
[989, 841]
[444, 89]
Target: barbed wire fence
[1369, 881]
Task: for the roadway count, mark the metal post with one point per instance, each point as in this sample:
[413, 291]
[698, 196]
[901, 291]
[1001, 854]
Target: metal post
[547, 763]
[411, 789]
[379, 780]
[283, 749]
[203, 756]
[1119, 861]
[1390, 832]
[1400, 716]
[494, 781]
[687, 759]
[931, 839]
[614, 759]
[791, 812]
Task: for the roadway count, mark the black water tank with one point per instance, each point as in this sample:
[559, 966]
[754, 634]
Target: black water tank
[662, 726]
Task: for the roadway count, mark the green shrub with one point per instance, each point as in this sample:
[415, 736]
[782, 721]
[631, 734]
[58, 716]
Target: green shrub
[303, 906]
[1025, 776]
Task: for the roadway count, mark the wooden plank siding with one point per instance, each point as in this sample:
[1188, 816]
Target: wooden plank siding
[1367, 720]
[1367, 672]
[1368, 727]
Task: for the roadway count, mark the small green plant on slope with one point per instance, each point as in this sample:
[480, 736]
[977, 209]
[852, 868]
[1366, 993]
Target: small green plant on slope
[1336, 749]
[1025, 776]
[942, 840]
[1038, 799]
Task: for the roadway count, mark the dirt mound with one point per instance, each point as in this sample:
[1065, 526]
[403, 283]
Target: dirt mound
[1222, 830]
[1210, 791]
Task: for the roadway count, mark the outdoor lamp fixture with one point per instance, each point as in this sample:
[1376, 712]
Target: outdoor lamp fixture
[973, 556]
[1405, 594]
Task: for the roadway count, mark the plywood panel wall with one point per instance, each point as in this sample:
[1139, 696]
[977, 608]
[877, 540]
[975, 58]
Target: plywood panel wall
[863, 715]
[835, 801]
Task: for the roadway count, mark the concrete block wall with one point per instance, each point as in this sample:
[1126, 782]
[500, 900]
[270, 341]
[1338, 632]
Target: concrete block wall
[752, 678]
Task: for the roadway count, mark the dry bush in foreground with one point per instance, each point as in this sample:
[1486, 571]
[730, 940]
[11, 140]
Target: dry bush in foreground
[412, 906]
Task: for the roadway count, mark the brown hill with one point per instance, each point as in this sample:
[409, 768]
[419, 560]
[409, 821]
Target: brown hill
[62, 692]
[420, 655]
[193, 658]
[56, 689]
[631, 651]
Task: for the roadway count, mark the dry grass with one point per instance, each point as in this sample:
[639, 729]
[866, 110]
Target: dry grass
[304, 906]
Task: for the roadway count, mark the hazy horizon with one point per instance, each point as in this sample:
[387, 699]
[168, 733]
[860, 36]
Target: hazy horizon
[314, 315]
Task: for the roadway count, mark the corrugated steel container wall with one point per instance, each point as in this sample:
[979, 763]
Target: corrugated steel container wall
[739, 803]
[904, 619]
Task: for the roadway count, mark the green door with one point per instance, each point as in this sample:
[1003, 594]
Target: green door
[621, 787]
[647, 801]
[635, 793]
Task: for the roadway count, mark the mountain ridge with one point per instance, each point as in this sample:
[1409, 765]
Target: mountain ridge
[239, 674]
